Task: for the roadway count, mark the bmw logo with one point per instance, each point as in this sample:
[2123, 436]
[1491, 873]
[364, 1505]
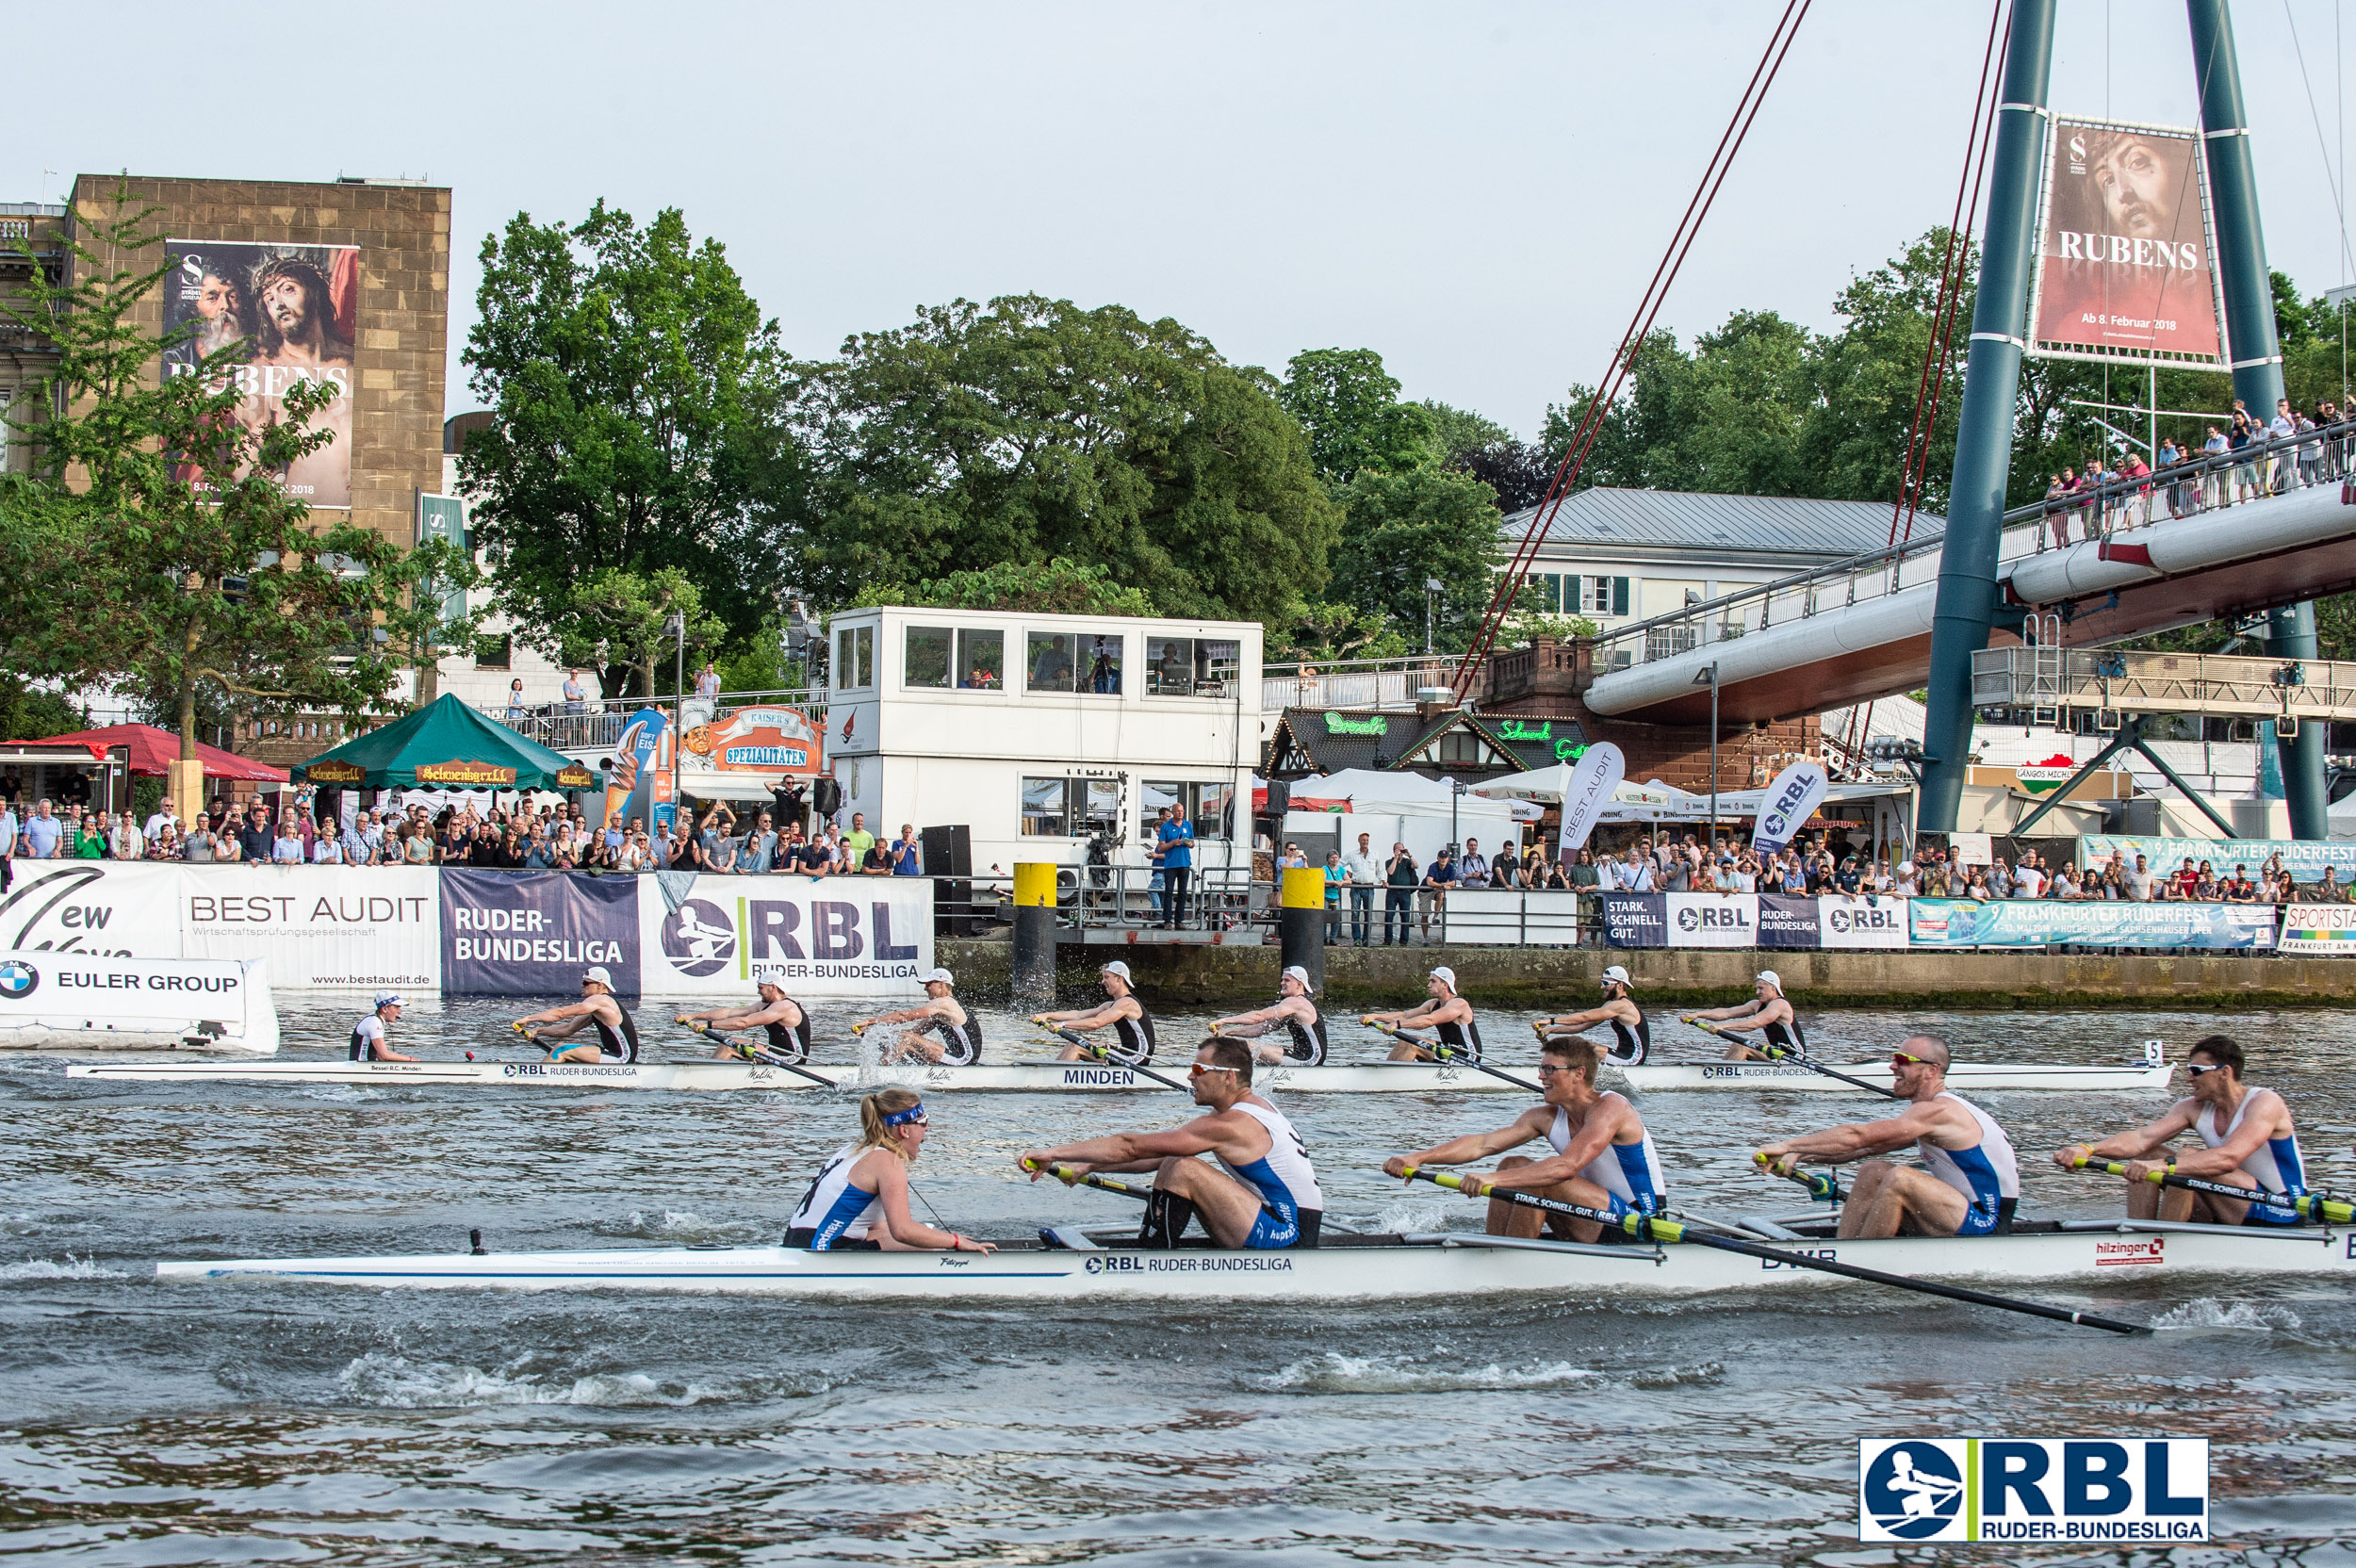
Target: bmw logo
[17, 979]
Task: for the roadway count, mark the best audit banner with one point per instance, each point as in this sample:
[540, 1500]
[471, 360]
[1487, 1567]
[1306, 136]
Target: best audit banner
[716, 937]
[327, 928]
[531, 933]
[2039, 923]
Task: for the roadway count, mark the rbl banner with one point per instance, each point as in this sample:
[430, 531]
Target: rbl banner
[829, 936]
[2094, 1491]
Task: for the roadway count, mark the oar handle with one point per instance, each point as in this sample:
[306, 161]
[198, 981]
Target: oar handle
[2308, 1205]
[1070, 1177]
[1823, 1187]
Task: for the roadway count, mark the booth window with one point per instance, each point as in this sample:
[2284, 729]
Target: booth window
[1070, 808]
[1208, 805]
[1191, 666]
[981, 661]
[1073, 661]
[924, 657]
[855, 657]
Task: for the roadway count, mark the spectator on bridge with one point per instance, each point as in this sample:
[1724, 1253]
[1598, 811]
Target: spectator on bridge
[2244, 439]
[2310, 452]
[2057, 508]
[2065, 888]
[2282, 469]
[576, 695]
[1438, 878]
[2135, 506]
[2214, 477]
[2170, 456]
[2335, 441]
[1472, 869]
[708, 682]
[1399, 877]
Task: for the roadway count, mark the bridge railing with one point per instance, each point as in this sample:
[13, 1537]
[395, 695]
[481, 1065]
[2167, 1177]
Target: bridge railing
[2209, 481]
[1387, 683]
[596, 724]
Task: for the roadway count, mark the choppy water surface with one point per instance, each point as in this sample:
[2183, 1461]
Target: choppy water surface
[208, 1421]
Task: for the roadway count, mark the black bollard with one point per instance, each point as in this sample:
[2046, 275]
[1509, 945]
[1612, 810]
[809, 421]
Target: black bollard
[1300, 922]
[1034, 932]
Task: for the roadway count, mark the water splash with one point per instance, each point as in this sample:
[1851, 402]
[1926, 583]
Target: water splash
[72, 1269]
[683, 1225]
[1334, 1373]
[396, 1383]
[1414, 1216]
[2208, 1311]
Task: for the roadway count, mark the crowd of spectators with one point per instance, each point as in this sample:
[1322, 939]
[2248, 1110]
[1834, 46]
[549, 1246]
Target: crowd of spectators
[524, 837]
[2229, 465]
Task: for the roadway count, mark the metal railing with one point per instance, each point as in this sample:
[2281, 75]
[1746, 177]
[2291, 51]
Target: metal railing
[1377, 683]
[2165, 683]
[2209, 481]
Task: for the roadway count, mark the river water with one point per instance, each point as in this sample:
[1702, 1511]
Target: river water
[206, 1422]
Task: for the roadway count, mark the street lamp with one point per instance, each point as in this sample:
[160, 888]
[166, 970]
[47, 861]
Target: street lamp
[675, 627]
[1432, 587]
[1710, 678]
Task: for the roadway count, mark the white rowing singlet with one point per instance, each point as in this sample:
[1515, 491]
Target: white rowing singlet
[1282, 1175]
[2275, 1163]
[834, 1208]
[1986, 1174]
[1629, 1172]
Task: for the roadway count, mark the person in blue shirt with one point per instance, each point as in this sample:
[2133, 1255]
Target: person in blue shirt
[1438, 878]
[906, 859]
[1175, 842]
[43, 830]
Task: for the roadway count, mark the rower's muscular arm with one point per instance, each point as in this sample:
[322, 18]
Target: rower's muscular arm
[1857, 1140]
[1587, 1020]
[2266, 1117]
[1602, 1125]
[1741, 1015]
[1203, 1136]
[1472, 1145]
[2135, 1145]
[1248, 1024]
[1083, 1020]
[1419, 1013]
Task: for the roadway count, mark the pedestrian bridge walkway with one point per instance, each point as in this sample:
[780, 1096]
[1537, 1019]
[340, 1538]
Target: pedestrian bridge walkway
[2166, 550]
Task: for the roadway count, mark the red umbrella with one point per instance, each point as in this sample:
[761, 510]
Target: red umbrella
[151, 748]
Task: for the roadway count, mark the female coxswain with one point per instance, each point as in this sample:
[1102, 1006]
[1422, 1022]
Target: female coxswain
[861, 1199]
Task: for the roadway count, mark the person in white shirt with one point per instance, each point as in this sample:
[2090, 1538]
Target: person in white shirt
[158, 821]
[1635, 874]
[327, 851]
[1365, 877]
[2029, 881]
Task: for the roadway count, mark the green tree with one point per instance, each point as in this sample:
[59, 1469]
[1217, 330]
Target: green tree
[1404, 527]
[1029, 428]
[1053, 587]
[1458, 433]
[1349, 406]
[642, 423]
[620, 621]
[155, 545]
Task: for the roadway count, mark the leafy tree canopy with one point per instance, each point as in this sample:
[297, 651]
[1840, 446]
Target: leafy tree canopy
[643, 422]
[1404, 527]
[1349, 406]
[1029, 428]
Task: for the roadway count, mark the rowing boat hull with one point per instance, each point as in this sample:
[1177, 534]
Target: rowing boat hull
[1063, 1077]
[1429, 1266]
[1011, 1078]
[1962, 1077]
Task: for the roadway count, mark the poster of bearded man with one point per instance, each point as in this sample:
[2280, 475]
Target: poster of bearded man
[2126, 267]
[265, 318]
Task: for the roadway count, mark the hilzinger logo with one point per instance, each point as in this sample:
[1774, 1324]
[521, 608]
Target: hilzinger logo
[2083, 1490]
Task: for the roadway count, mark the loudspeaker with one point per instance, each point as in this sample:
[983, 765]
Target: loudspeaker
[949, 858]
[948, 851]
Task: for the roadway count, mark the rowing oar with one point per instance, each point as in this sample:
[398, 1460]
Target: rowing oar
[2311, 1205]
[530, 1039]
[1452, 1053]
[1647, 1228]
[1068, 1177]
[1823, 1187]
[759, 1052]
[1099, 1053]
[1775, 1053]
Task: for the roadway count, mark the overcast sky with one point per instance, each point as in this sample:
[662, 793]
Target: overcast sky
[1478, 193]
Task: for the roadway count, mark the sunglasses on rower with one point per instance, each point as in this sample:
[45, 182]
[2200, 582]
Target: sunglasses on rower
[1198, 1069]
[1900, 1058]
[2196, 1070]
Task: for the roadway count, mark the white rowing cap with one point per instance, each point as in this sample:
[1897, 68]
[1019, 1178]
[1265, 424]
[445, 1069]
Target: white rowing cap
[1617, 975]
[936, 977]
[598, 974]
[1294, 972]
[1772, 978]
[1446, 976]
[1116, 968]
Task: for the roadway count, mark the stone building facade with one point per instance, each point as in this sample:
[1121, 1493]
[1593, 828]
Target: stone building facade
[402, 230]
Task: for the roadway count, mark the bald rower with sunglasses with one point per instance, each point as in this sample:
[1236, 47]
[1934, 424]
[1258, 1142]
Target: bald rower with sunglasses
[2247, 1141]
[1968, 1182]
[1262, 1195]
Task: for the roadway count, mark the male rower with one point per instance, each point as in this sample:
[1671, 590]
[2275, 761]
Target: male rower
[1449, 1016]
[1131, 1024]
[1304, 1028]
[368, 1041]
[2250, 1143]
[1603, 1157]
[599, 1008]
[782, 1018]
[1769, 1013]
[1631, 1031]
[1264, 1194]
[960, 1041]
[1969, 1180]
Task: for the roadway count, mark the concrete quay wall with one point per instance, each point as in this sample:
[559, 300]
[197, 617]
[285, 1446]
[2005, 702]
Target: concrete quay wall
[1555, 979]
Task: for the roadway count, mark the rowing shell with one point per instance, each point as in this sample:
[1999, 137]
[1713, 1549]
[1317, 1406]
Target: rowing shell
[1960, 1076]
[1056, 1077]
[1458, 1268]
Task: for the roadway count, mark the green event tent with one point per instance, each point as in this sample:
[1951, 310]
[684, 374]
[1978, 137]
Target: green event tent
[449, 745]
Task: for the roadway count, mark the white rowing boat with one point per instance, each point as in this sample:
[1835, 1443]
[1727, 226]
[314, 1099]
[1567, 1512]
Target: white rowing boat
[1961, 1076]
[1075, 1270]
[1058, 1077]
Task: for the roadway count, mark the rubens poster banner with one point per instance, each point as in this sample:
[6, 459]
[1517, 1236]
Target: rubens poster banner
[269, 317]
[2125, 269]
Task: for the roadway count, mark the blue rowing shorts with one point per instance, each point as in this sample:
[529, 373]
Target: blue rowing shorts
[1273, 1232]
[1980, 1219]
[2272, 1214]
